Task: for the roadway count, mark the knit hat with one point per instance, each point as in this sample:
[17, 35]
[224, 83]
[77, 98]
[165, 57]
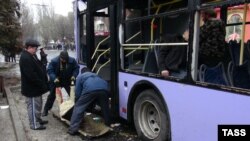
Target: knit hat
[32, 42]
[64, 55]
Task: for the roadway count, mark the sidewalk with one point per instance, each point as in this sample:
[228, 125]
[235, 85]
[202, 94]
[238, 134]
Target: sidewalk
[8, 132]
[6, 127]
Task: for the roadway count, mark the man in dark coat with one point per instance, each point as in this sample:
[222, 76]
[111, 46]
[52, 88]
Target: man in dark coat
[212, 39]
[61, 70]
[43, 56]
[33, 83]
[172, 59]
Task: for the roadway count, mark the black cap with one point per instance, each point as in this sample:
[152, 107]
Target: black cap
[64, 55]
[32, 42]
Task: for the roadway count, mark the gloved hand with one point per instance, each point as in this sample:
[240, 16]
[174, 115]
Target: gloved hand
[57, 82]
[73, 78]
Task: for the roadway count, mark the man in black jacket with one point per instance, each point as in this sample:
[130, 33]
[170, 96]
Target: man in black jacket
[33, 83]
[212, 39]
[172, 59]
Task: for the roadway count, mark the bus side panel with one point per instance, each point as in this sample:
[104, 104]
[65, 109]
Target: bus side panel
[195, 112]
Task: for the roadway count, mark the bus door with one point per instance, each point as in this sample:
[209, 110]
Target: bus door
[94, 48]
[100, 57]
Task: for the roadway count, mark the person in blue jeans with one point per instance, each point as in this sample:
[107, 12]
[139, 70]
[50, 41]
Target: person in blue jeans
[90, 88]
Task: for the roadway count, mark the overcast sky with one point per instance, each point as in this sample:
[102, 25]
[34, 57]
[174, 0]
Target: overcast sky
[61, 6]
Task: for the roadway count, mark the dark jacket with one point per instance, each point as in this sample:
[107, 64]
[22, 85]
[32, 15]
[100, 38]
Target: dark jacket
[43, 58]
[89, 82]
[72, 69]
[33, 76]
[172, 58]
[212, 42]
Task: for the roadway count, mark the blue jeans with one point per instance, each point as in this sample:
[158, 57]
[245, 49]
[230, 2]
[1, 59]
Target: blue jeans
[85, 100]
[180, 74]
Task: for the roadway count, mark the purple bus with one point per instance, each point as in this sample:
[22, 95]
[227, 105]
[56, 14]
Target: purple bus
[187, 107]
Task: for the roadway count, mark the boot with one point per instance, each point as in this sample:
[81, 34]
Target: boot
[41, 127]
[45, 113]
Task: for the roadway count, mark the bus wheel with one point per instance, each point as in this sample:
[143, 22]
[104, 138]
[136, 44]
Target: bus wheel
[150, 117]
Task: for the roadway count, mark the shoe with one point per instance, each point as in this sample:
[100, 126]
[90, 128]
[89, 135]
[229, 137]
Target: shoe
[42, 122]
[39, 128]
[45, 113]
[72, 133]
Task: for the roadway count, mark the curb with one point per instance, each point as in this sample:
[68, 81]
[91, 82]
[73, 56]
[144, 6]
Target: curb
[17, 123]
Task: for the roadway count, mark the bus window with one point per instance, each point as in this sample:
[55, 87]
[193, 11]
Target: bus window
[145, 41]
[234, 23]
[212, 48]
[151, 7]
[238, 35]
[223, 56]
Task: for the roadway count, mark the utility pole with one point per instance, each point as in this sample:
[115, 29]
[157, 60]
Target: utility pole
[41, 12]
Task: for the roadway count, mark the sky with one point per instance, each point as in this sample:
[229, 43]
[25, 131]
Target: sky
[61, 7]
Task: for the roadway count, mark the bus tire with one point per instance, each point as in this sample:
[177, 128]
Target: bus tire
[150, 117]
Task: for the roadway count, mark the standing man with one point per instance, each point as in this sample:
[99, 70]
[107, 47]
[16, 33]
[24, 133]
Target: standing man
[43, 56]
[33, 83]
[212, 39]
[61, 70]
[90, 88]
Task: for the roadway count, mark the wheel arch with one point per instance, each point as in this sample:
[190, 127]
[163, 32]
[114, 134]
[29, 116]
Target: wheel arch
[134, 93]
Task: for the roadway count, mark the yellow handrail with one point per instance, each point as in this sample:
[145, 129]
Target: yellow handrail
[243, 35]
[102, 66]
[134, 48]
[98, 46]
[99, 58]
[136, 34]
[167, 3]
[131, 52]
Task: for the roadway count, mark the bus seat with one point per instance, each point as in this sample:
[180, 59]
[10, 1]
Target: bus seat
[202, 72]
[241, 76]
[151, 64]
[215, 75]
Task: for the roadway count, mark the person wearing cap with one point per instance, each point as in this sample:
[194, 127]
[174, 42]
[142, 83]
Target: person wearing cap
[34, 83]
[43, 56]
[61, 70]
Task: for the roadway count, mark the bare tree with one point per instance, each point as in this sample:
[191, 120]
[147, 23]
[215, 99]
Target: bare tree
[45, 22]
[50, 26]
[27, 22]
